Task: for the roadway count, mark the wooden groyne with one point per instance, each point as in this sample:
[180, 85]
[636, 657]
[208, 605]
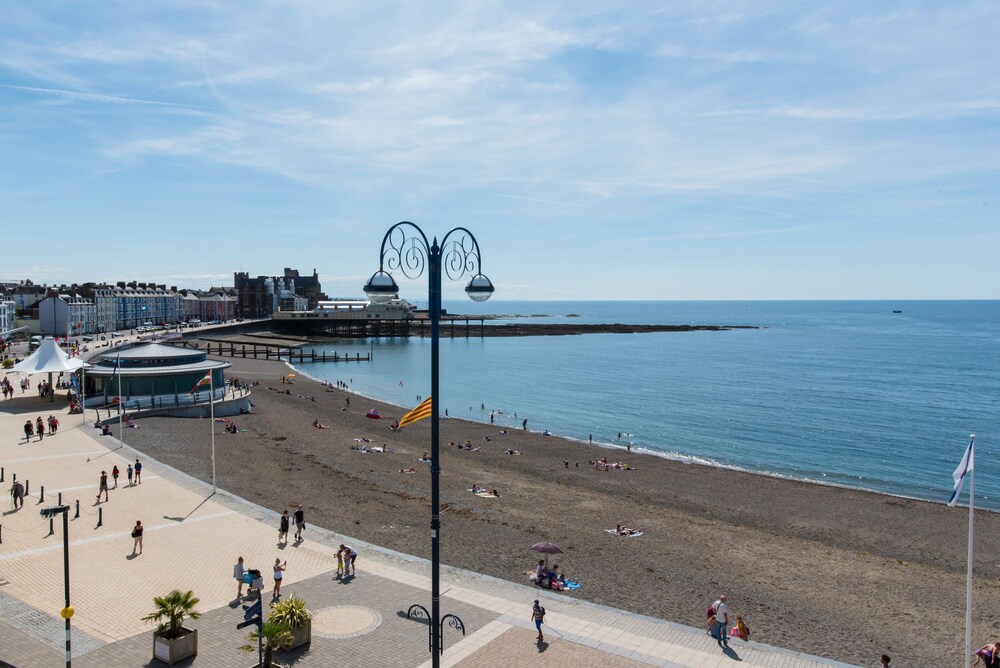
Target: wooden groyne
[269, 351]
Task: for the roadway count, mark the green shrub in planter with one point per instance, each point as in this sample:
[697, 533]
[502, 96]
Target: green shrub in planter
[293, 614]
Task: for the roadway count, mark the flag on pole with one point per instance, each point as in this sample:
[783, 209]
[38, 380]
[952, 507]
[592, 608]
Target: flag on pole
[418, 413]
[204, 381]
[963, 468]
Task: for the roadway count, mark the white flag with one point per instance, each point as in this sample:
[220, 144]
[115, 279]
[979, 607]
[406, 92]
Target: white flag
[963, 468]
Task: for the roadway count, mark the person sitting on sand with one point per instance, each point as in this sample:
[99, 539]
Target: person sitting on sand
[319, 425]
[987, 654]
[741, 630]
[425, 457]
[231, 428]
[539, 572]
[476, 488]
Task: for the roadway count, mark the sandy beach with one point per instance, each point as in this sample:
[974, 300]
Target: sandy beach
[834, 572]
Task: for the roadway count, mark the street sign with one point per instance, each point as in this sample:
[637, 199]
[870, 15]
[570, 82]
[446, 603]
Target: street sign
[252, 616]
[252, 611]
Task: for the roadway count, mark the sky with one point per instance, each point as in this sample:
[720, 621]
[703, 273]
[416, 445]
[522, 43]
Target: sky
[596, 150]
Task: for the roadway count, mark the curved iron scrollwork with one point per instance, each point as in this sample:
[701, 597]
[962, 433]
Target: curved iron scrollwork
[406, 252]
[405, 248]
[417, 611]
[454, 622]
[460, 256]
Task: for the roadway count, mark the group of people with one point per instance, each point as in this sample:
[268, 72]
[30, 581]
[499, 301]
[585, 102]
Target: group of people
[285, 521]
[548, 578]
[38, 427]
[719, 620]
[8, 388]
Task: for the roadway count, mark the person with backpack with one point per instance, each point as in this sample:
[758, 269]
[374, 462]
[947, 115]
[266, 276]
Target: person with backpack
[538, 616]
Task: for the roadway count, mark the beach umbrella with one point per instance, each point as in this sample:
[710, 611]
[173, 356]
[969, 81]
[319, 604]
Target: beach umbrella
[547, 548]
[373, 414]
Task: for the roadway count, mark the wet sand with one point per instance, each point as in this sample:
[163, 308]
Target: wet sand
[834, 572]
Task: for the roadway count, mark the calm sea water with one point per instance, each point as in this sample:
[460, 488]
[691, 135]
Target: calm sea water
[846, 393]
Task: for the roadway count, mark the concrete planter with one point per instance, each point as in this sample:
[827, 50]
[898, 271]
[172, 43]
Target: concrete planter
[172, 650]
[302, 635]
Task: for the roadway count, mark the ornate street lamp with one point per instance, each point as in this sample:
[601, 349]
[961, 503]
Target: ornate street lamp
[67, 610]
[405, 249]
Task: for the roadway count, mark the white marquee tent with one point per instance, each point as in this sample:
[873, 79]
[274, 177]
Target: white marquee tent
[49, 358]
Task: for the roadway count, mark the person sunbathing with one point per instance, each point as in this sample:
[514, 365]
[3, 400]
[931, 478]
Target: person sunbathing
[476, 488]
[408, 469]
[319, 425]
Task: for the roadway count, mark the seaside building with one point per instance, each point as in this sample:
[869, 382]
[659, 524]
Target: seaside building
[349, 317]
[66, 315]
[8, 319]
[165, 379]
[263, 296]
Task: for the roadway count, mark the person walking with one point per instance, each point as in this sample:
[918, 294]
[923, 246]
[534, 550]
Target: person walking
[29, 431]
[721, 621]
[238, 572]
[350, 556]
[17, 495]
[128, 472]
[283, 527]
[40, 427]
[138, 471]
[137, 537]
[53, 424]
[538, 616]
[279, 569]
[104, 487]
[300, 522]
[115, 472]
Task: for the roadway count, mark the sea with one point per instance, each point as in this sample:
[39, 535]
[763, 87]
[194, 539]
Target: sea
[875, 395]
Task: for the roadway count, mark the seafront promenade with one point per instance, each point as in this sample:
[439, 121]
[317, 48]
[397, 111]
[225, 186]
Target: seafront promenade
[192, 540]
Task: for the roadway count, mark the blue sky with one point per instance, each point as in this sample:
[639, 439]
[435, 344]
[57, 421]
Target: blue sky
[598, 150]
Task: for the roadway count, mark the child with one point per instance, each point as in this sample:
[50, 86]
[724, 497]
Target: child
[711, 619]
[740, 630]
[340, 563]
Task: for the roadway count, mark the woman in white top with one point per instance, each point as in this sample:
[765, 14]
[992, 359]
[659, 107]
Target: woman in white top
[278, 570]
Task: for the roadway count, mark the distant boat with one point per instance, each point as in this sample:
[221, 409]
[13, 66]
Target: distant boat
[896, 311]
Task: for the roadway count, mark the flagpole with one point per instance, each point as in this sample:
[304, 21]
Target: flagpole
[968, 575]
[211, 403]
[121, 400]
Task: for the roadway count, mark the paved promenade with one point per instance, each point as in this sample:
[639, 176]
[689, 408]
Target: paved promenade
[192, 539]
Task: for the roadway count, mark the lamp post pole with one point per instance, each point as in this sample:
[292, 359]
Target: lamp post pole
[67, 611]
[460, 256]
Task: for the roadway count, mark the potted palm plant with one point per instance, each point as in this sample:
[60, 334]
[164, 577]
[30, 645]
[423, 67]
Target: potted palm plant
[295, 616]
[271, 636]
[171, 641]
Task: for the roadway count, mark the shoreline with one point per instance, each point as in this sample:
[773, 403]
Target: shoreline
[687, 460]
[813, 567]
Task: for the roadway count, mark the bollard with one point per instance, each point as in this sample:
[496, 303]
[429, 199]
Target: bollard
[77, 516]
[41, 497]
[100, 516]
[1, 534]
[26, 482]
[1, 474]
[51, 530]
[59, 502]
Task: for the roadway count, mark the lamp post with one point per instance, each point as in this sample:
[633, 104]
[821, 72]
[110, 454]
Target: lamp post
[405, 248]
[67, 611]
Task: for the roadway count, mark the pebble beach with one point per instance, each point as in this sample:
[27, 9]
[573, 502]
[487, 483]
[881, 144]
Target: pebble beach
[830, 571]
